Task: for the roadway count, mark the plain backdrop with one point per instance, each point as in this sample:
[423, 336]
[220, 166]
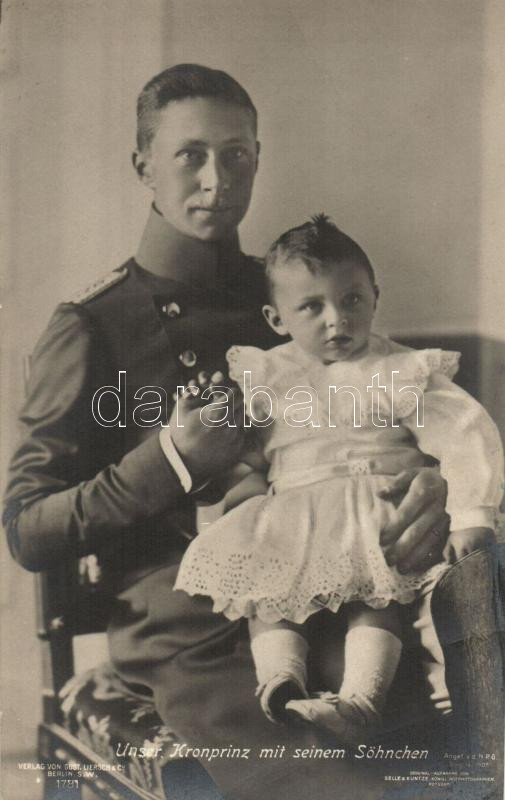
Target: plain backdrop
[386, 114]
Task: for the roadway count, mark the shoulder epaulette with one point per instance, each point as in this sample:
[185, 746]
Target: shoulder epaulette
[100, 285]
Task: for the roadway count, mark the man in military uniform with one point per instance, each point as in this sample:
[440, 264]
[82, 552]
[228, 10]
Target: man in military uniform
[117, 484]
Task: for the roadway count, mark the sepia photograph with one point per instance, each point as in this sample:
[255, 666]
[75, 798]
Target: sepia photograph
[253, 400]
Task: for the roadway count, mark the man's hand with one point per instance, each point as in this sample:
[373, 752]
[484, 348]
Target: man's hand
[416, 536]
[463, 542]
[207, 447]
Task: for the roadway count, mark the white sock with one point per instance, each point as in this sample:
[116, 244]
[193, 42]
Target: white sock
[280, 650]
[372, 656]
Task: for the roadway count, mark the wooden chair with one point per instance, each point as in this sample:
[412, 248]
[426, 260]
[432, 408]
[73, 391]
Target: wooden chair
[468, 607]
[86, 715]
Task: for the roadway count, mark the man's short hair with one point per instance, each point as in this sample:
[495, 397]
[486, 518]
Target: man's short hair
[316, 243]
[178, 83]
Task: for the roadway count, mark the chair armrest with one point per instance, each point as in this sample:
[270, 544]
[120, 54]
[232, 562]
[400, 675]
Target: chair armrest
[468, 614]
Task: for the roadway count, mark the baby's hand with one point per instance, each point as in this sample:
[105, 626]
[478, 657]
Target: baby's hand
[205, 443]
[250, 485]
[461, 543]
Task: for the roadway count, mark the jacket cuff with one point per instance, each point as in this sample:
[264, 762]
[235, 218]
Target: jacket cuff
[155, 481]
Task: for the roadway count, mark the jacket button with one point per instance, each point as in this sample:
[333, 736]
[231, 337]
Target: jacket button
[171, 309]
[188, 358]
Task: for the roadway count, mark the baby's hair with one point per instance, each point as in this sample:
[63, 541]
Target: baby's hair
[316, 243]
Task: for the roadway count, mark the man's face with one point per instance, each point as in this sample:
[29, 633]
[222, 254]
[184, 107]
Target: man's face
[328, 313]
[201, 166]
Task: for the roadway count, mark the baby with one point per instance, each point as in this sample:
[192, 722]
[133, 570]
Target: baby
[339, 411]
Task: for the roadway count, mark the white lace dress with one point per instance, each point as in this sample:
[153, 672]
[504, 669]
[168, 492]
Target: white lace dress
[313, 540]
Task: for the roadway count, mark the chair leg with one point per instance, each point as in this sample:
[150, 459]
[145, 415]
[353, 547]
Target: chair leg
[54, 787]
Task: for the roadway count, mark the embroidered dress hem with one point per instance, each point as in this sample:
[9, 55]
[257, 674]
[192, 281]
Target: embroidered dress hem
[271, 610]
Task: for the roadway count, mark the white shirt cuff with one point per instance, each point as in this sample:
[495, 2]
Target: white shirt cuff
[482, 517]
[175, 460]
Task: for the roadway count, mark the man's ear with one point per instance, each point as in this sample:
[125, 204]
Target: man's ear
[272, 317]
[258, 148]
[143, 166]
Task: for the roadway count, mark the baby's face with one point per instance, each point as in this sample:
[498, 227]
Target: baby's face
[329, 314]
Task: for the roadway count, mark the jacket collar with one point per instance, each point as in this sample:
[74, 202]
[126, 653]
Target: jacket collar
[168, 253]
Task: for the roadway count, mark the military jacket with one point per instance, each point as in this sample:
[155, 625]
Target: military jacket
[78, 487]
